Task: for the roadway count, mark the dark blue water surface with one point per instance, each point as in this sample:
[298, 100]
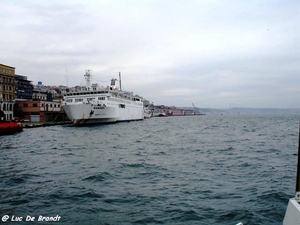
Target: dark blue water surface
[212, 169]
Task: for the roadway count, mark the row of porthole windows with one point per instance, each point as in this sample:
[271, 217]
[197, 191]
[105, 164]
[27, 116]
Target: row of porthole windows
[7, 107]
[88, 99]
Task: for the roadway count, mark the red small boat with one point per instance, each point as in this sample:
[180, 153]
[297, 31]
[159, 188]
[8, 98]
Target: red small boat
[10, 127]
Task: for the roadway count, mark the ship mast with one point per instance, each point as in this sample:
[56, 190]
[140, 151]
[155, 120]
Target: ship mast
[88, 79]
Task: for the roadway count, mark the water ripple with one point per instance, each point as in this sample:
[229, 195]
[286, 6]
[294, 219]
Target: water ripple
[178, 170]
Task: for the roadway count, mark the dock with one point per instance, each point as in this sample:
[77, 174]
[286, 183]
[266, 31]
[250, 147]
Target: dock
[44, 124]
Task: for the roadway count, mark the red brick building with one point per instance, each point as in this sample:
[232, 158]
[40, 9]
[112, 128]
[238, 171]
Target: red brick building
[40, 110]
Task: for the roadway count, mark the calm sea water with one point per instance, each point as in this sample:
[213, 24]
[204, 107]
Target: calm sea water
[213, 169]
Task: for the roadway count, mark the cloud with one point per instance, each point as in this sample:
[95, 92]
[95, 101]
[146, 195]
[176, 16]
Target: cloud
[211, 53]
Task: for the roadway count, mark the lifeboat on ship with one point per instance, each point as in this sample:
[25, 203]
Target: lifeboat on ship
[10, 127]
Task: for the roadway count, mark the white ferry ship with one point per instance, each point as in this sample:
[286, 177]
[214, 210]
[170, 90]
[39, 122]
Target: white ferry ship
[95, 104]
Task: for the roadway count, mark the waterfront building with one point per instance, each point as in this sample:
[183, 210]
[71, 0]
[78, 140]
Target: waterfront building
[40, 110]
[41, 95]
[24, 87]
[7, 91]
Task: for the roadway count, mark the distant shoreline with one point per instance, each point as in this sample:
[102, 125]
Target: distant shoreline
[251, 110]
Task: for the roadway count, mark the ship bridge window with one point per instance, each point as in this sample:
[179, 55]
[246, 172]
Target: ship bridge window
[69, 100]
[122, 106]
[101, 98]
[78, 100]
[90, 99]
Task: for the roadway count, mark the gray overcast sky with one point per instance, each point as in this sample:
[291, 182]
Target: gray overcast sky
[172, 52]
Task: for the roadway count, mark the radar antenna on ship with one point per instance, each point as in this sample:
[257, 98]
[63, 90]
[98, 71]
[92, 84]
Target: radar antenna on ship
[113, 81]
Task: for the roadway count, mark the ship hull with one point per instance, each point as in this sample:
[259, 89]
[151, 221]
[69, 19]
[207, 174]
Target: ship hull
[292, 215]
[82, 114]
[9, 128]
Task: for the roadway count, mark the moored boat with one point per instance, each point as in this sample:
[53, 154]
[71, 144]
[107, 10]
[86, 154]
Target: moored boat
[96, 104]
[147, 113]
[10, 127]
[158, 113]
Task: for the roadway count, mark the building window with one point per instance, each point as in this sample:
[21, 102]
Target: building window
[35, 105]
[25, 105]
